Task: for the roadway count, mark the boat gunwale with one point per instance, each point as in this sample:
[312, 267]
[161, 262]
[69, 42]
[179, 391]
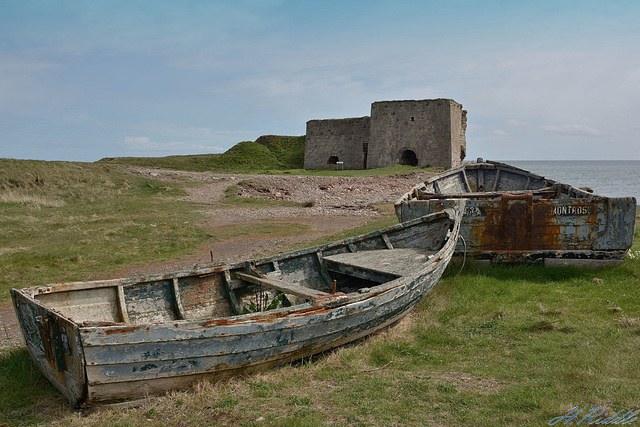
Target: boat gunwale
[411, 195]
[276, 318]
[402, 306]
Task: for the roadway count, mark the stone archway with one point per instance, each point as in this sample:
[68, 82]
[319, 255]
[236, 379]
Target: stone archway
[408, 157]
[333, 160]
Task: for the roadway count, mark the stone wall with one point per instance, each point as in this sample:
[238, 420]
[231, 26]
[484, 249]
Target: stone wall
[458, 134]
[329, 141]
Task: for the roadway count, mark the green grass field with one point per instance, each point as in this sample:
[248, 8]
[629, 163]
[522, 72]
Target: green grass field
[268, 152]
[490, 345]
[70, 221]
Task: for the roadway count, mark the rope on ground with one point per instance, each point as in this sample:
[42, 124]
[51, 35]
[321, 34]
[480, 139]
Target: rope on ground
[464, 253]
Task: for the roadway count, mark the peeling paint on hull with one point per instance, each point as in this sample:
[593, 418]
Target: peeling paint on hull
[513, 215]
[114, 340]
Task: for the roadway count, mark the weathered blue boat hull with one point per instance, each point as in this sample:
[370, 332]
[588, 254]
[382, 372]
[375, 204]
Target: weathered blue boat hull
[513, 215]
[127, 338]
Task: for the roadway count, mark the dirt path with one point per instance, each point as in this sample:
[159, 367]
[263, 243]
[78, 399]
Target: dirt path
[9, 331]
[333, 204]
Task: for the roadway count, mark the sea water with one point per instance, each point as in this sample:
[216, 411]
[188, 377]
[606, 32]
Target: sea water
[611, 178]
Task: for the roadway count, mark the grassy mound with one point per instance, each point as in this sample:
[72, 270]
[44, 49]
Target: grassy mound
[266, 153]
[289, 150]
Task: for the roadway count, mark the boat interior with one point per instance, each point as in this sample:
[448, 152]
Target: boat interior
[492, 181]
[352, 266]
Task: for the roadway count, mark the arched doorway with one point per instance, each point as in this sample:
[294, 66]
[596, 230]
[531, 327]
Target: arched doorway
[333, 160]
[408, 157]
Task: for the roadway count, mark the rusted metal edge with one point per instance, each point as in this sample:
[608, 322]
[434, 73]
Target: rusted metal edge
[538, 256]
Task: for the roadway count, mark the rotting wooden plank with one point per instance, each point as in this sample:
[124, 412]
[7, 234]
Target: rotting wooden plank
[497, 180]
[273, 337]
[436, 187]
[276, 267]
[178, 300]
[547, 191]
[70, 381]
[122, 305]
[96, 284]
[233, 301]
[323, 269]
[466, 180]
[387, 241]
[222, 359]
[239, 327]
[393, 262]
[74, 286]
[124, 390]
[150, 359]
[282, 286]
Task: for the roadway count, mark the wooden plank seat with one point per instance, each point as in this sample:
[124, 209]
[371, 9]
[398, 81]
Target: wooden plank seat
[378, 265]
[282, 286]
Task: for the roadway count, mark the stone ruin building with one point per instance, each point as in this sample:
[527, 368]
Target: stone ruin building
[428, 132]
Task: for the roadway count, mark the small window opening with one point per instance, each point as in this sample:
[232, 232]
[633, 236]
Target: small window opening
[408, 157]
[413, 119]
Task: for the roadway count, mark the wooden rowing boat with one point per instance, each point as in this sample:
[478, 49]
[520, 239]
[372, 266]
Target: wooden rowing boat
[513, 215]
[113, 340]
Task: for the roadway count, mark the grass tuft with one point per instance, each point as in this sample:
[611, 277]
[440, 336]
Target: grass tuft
[630, 322]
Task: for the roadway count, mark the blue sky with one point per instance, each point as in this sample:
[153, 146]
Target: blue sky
[81, 80]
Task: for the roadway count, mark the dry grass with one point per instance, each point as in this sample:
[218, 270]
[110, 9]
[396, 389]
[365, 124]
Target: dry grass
[629, 322]
[34, 200]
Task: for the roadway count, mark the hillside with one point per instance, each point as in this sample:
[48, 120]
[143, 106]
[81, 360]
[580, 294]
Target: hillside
[269, 152]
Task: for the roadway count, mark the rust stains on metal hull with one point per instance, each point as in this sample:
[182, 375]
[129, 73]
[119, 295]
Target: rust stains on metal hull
[513, 215]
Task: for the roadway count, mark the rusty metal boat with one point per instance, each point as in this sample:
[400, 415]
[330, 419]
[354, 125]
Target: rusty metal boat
[122, 339]
[513, 215]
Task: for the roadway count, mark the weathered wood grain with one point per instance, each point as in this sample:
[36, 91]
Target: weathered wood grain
[131, 337]
[282, 286]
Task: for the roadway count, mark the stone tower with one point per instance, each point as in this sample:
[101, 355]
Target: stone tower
[418, 133]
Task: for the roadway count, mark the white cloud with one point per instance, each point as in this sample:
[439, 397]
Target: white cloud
[570, 129]
[21, 87]
[144, 144]
[518, 123]
[486, 131]
[561, 129]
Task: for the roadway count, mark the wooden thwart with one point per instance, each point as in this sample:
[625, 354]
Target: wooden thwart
[282, 286]
[387, 262]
